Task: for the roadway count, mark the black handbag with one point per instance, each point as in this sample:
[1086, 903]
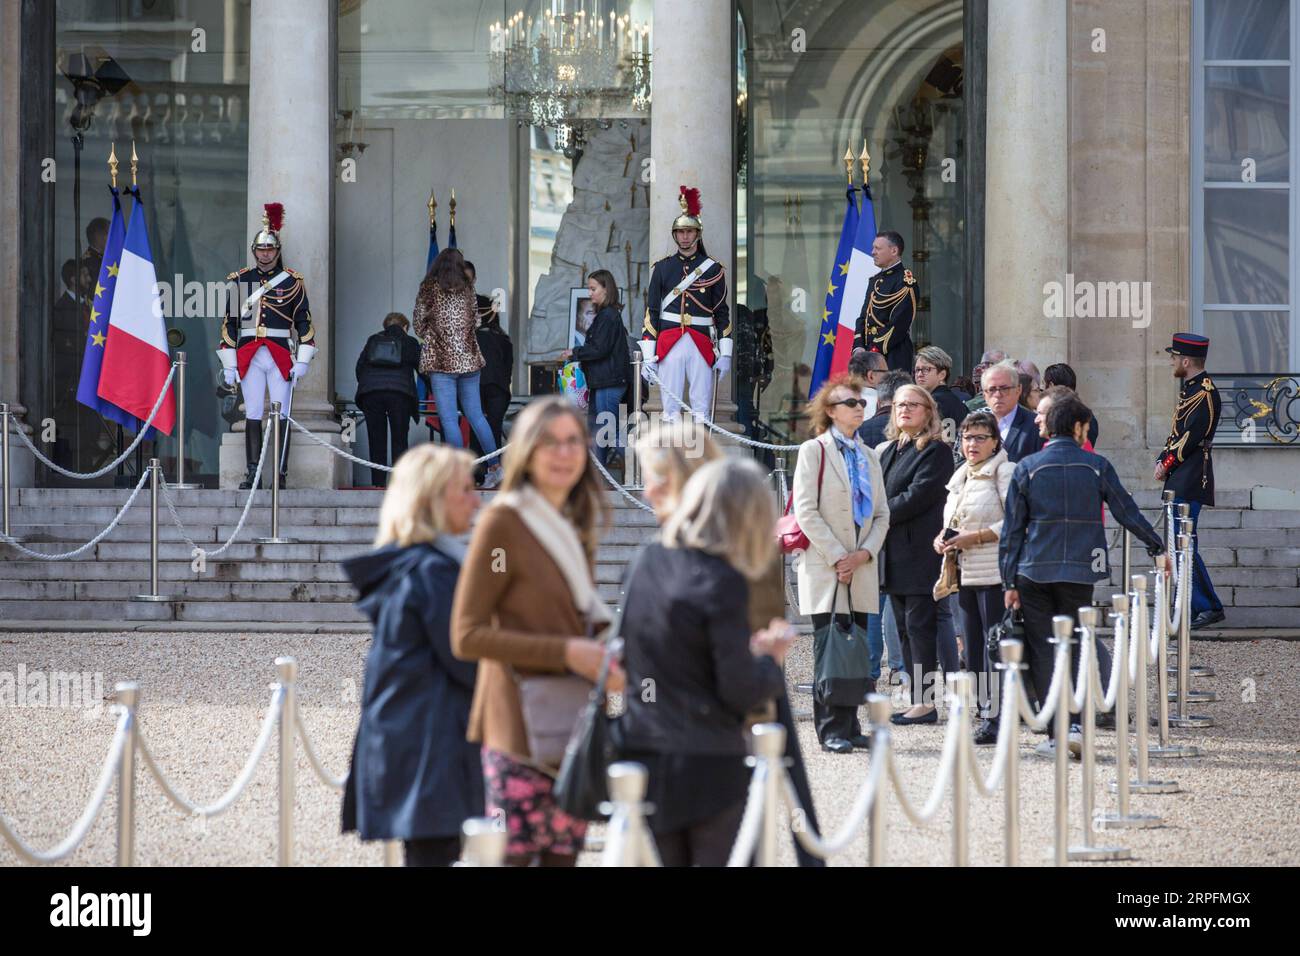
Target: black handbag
[1011, 627]
[842, 660]
[582, 784]
[384, 352]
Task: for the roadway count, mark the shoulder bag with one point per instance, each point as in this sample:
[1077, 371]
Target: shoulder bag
[788, 533]
[841, 659]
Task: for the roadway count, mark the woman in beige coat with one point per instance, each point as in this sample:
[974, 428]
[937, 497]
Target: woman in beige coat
[839, 502]
[974, 511]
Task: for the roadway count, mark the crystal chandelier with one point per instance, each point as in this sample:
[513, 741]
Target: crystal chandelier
[575, 61]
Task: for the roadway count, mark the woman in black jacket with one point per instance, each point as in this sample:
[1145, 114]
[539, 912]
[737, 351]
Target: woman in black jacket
[917, 465]
[414, 777]
[604, 360]
[386, 390]
[693, 668]
[498, 363]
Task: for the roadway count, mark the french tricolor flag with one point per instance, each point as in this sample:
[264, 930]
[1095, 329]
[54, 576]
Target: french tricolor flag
[136, 358]
[861, 268]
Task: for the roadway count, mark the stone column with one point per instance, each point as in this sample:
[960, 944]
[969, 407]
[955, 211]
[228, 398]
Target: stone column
[291, 161]
[1026, 180]
[691, 142]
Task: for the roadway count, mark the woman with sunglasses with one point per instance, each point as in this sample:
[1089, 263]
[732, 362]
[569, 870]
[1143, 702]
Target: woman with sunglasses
[972, 524]
[839, 501]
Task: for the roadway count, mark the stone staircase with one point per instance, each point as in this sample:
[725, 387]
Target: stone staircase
[265, 586]
[1253, 556]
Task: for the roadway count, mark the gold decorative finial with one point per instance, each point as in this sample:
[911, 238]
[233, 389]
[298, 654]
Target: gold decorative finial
[865, 160]
[848, 163]
[452, 206]
[112, 163]
[433, 204]
[135, 164]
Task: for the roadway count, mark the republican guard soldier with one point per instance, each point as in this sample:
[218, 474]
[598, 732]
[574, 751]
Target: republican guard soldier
[885, 324]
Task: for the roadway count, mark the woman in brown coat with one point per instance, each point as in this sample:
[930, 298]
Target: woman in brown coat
[445, 317]
[523, 604]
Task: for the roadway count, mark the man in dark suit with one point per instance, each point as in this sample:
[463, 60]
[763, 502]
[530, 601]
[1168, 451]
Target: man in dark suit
[872, 431]
[1185, 464]
[1001, 386]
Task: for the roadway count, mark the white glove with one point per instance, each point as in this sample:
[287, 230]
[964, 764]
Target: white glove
[299, 370]
[723, 365]
[645, 370]
[231, 375]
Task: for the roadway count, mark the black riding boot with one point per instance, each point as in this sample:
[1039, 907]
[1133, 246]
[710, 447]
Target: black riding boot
[252, 448]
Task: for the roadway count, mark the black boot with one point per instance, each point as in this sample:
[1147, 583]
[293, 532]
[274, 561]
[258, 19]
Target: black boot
[285, 431]
[252, 448]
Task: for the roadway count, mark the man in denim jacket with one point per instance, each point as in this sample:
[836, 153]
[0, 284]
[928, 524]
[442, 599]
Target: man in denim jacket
[1053, 545]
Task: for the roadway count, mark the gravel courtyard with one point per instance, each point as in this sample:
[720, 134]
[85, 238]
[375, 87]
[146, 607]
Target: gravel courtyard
[203, 697]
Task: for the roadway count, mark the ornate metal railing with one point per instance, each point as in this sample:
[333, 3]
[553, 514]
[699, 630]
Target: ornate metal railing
[1260, 411]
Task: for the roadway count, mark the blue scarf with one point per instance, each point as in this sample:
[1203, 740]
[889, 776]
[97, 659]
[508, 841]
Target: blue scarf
[859, 477]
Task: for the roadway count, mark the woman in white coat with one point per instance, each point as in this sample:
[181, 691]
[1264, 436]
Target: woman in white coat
[840, 504]
[972, 521]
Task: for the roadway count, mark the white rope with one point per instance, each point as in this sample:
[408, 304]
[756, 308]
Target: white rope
[653, 379]
[868, 793]
[361, 461]
[327, 778]
[1007, 728]
[225, 801]
[1042, 719]
[742, 851]
[1086, 667]
[1111, 694]
[96, 803]
[947, 759]
[88, 475]
[613, 483]
[68, 555]
[243, 517]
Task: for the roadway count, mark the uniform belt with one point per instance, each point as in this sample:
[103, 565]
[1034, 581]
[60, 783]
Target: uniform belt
[251, 332]
[699, 321]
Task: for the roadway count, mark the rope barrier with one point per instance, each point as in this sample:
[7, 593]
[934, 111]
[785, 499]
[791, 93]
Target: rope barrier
[826, 847]
[243, 517]
[361, 461]
[68, 555]
[947, 758]
[616, 486]
[742, 851]
[89, 475]
[327, 778]
[226, 800]
[653, 379]
[88, 816]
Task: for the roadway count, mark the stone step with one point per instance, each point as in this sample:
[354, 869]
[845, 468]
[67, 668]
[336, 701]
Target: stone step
[233, 498]
[300, 591]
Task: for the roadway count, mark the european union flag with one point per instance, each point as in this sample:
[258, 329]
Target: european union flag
[101, 305]
[830, 325]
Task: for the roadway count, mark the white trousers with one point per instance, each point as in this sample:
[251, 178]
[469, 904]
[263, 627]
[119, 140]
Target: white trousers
[263, 375]
[683, 364]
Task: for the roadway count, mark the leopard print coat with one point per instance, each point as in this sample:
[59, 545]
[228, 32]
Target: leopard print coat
[444, 322]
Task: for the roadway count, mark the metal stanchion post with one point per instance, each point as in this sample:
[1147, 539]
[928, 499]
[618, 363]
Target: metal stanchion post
[275, 481]
[181, 483]
[627, 839]
[4, 468]
[1183, 694]
[1062, 629]
[128, 695]
[959, 697]
[1122, 786]
[1012, 653]
[155, 477]
[882, 740]
[392, 853]
[485, 842]
[1142, 720]
[287, 668]
[769, 748]
[1127, 559]
[1089, 619]
[1167, 506]
[1166, 748]
[629, 454]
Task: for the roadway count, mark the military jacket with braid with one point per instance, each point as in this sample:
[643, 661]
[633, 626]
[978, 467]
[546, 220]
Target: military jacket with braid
[279, 314]
[701, 308]
[885, 323]
[1189, 468]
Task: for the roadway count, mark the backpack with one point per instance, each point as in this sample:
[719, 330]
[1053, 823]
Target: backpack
[384, 352]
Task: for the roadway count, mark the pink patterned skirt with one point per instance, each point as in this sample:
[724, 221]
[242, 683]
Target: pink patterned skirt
[522, 796]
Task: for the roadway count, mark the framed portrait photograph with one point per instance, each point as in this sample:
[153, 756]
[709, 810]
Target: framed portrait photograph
[582, 313]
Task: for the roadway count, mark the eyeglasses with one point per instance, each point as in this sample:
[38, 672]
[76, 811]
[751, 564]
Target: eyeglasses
[572, 443]
[924, 369]
[976, 437]
[909, 405]
[850, 403]
[1000, 389]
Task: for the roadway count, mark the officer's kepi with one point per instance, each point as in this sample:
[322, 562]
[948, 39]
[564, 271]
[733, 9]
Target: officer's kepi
[1189, 344]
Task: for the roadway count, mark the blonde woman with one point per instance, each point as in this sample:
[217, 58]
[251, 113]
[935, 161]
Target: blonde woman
[917, 464]
[527, 604]
[839, 500]
[697, 666]
[414, 777]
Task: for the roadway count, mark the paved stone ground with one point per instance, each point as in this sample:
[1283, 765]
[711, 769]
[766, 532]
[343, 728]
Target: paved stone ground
[204, 696]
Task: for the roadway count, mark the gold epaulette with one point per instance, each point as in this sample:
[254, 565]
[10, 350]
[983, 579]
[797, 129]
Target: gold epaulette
[908, 278]
[295, 273]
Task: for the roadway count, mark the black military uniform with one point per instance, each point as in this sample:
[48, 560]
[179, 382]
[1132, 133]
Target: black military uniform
[885, 325]
[1189, 466]
[703, 306]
